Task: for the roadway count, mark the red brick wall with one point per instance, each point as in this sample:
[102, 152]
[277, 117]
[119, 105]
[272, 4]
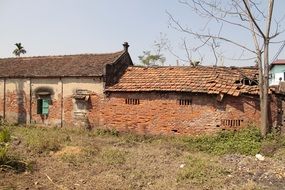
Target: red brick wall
[68, 111]
[157, 113]
[17, 107]
[160, 113]
[94, 110]
[18, 110]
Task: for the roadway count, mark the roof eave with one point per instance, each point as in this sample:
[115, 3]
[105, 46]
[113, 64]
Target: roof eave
[50, 76]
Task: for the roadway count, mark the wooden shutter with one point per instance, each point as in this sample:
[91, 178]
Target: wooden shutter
[45, 105]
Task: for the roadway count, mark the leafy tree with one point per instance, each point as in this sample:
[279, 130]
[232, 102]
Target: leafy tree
[157, 58]
[19, 50]
[150, 59]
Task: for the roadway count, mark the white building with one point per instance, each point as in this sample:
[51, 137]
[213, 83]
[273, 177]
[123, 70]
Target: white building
[277, 72]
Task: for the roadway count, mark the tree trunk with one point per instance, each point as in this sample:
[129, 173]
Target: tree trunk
[264, 91]
[261, 93]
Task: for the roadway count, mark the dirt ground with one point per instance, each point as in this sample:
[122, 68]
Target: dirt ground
[61, 159]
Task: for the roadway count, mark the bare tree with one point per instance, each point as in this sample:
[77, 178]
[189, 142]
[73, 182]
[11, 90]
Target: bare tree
[246, 15]
[193, 62]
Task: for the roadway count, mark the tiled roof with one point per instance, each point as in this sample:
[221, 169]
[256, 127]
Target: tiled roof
[211, 80]
[279, 61]
[57, 66]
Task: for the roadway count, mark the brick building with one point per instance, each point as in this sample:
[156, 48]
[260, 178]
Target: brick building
[185, 100]
[106, 90]
[57, 90]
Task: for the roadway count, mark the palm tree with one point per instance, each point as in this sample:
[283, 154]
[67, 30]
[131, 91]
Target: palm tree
[19, 50]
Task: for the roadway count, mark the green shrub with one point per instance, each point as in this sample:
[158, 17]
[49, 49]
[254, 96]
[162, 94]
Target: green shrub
[246, 141]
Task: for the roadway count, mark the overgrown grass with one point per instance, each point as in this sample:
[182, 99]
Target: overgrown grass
[4, 143]
[199, 169]
[10, 161]
[125, 137]
[86, 155]
[113, 156]
[130, 161]
[5, 135]
[106, 132]
[247, 141]
[42, 140]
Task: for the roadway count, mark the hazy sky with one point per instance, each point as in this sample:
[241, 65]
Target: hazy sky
[57, 27]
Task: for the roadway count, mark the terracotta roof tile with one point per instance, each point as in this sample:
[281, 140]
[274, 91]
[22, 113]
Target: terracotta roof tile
[211, 80]
[57, 66]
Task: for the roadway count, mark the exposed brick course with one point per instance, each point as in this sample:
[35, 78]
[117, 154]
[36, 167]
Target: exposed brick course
[160, 113]
[17, 107]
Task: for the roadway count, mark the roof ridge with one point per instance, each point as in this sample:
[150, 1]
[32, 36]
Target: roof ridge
[60, 56]
[201, 66]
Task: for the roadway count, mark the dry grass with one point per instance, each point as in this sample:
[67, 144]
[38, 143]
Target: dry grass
[78, 159]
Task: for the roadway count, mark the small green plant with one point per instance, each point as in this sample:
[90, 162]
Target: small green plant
[5, 135]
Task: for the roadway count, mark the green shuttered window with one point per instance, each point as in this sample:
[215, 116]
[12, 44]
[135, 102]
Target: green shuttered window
[42, 106]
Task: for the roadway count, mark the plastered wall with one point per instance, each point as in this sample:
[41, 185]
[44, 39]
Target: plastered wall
[18, 98]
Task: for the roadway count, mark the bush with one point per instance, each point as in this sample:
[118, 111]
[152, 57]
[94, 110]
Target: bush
[247, 141]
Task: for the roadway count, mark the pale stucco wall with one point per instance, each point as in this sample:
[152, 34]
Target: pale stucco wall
[17, 100]
[70, 85]
[52, 83]
[18, 96]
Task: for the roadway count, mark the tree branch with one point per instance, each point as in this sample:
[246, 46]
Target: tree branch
[207, 35]
[246, 4]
